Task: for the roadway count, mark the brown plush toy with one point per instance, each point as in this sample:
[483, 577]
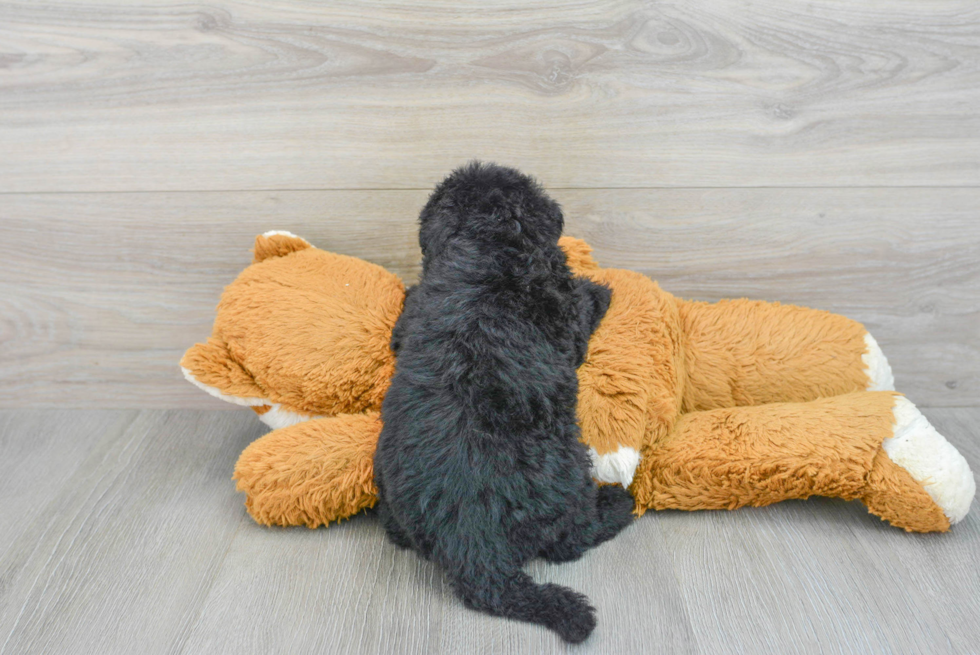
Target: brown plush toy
[690, 405]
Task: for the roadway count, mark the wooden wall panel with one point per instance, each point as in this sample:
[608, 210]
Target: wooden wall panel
[123, 96]
[101, 293]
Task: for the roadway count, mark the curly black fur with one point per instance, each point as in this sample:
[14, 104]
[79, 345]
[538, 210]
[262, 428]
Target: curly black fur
[479, 465]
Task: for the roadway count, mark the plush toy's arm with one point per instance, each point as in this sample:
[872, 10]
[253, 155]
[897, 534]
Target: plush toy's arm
[312, 473]
[630, 377]
[578, 254]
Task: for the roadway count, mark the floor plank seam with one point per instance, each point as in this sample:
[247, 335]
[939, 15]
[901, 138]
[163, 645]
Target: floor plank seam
[697, 642]
[47, 568]
[192, 626]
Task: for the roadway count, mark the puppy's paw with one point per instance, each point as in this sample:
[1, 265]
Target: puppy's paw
[400, 540]
[612, 497]
[601, 299]
[614, 506]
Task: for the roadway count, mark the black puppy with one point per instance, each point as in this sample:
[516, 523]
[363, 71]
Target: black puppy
[479, 465]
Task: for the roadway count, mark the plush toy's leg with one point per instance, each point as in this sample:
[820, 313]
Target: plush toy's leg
[743, 352]
[311, 473]
[839, 447]
[918, 449]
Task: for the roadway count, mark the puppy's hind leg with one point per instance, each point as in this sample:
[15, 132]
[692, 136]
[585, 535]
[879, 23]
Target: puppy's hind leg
[395, 532]
[516, 596]
[613, 511]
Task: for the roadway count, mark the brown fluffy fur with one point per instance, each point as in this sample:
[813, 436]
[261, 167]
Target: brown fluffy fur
[733, 403]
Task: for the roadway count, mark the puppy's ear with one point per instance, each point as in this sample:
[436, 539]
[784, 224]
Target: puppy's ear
[592, 301]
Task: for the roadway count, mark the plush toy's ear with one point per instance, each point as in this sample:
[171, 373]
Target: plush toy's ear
[211, 367]
[277, 243]
[579, 255]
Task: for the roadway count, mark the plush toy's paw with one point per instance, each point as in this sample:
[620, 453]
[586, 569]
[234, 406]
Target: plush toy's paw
[932, 461]
[312, 473]
[876, 366]
[616, 467]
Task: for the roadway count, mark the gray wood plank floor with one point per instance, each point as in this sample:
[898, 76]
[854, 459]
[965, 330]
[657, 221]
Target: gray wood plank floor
[121, 532]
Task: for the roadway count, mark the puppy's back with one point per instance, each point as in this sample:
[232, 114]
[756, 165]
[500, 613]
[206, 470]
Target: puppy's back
[479, 463]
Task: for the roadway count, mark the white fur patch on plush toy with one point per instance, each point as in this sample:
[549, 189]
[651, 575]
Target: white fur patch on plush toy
[277, 417]
[876, 366]
[932, 461]
[616, 467]
[235, 400]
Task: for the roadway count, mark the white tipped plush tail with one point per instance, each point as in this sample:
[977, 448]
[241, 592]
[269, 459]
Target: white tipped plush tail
[932, 461]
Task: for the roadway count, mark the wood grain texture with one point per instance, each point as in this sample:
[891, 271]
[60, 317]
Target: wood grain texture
[122, 96]
[145, 547]
[39, 453]
[360, 594]
[944, 568]
[102, 293]
[123, 555]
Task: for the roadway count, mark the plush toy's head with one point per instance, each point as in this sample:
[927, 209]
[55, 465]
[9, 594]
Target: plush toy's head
[301, 333]
[304, 333]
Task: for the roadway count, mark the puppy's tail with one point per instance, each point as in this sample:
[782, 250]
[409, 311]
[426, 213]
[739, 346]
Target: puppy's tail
[518, 597]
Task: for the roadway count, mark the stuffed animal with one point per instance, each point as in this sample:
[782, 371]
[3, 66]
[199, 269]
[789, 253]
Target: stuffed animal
[689, 405]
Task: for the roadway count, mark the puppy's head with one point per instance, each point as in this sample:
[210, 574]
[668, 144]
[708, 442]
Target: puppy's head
[489, 204]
